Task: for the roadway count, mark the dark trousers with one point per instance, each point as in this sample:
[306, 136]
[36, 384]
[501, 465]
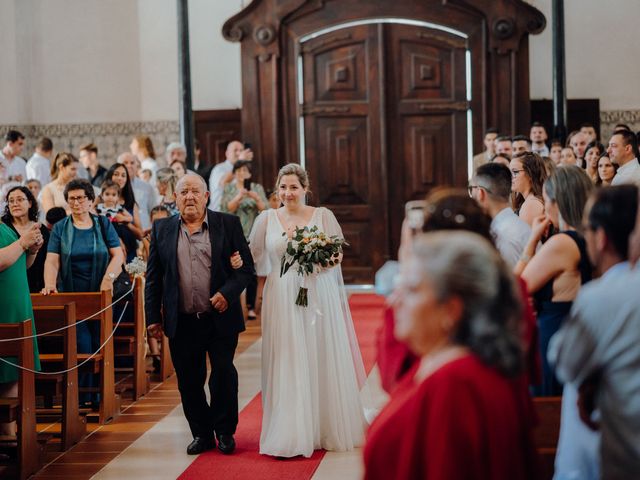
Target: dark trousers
[194, 339]
[252, 291]
[88, 341]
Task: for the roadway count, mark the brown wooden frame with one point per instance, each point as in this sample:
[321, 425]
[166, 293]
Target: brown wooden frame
[88, 303]
[268, 30]
[28, 448]
[46, 319]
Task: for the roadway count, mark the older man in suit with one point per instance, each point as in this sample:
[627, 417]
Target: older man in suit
[193, 295]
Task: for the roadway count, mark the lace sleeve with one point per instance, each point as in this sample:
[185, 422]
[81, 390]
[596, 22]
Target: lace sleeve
[257, 244]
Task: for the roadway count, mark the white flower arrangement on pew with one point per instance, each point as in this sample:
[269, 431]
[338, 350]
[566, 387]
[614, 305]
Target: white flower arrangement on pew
[137, 267]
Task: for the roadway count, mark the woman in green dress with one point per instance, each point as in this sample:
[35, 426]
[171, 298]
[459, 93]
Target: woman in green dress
[16, 254]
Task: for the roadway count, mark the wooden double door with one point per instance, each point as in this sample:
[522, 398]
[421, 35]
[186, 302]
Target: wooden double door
[385, 112]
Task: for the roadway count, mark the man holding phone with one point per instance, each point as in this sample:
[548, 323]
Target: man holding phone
[222, 174]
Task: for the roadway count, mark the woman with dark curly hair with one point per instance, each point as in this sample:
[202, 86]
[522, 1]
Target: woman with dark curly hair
[462, 410]
[528, 175]
[21, 214]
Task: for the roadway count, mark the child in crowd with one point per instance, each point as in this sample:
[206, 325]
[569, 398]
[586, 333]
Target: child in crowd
[146, 175]
[54, 215]
[110, 206]
[156, 213]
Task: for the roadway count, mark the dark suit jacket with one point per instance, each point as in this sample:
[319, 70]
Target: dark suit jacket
[161, 291]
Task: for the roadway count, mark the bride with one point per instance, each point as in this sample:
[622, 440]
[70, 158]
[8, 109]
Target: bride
[312, 370]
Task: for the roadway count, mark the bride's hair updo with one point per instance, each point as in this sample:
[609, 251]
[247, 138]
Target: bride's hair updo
[294, 169]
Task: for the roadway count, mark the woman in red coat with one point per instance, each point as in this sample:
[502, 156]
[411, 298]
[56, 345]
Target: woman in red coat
[462, 411]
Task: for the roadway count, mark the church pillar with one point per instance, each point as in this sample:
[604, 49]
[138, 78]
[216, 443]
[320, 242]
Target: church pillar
[187, 130]
[559, 72]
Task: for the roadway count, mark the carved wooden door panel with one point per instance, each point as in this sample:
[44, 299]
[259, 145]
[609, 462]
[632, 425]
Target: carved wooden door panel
[342, 118]
[427, 115]
[385, 120]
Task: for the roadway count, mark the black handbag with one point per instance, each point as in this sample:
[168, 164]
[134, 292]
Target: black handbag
[122, 283]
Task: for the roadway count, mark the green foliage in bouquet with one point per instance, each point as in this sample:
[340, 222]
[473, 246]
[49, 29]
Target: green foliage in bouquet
[309, 248]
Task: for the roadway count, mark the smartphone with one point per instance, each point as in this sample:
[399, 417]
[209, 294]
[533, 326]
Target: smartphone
[247, 145]
[414, 213]
[247, 184]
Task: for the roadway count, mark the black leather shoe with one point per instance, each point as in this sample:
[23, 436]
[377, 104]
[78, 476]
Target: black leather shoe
[226, 443]
[199, 445]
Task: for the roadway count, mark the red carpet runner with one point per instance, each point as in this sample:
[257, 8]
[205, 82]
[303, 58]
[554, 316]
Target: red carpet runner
[246, 462]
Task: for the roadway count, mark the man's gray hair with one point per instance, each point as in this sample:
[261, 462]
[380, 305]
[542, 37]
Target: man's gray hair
[192, 175]
[122, 156]
[174, 146]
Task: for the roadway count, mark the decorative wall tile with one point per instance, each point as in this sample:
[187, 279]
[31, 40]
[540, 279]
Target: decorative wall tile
[111, 138]
[609, 119]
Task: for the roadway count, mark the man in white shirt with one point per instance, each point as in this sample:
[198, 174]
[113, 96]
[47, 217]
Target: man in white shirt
[595, 351]
[14, 166]
[489, 149]
[222, 173]
[623, 148]
[144, 193]
[39, 165]
[538, 136]
[491, 188]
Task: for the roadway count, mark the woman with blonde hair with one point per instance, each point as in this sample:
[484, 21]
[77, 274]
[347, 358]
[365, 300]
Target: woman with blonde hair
[142, 147]
[63, 169]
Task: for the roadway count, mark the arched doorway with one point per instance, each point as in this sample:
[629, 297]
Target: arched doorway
[381, 101]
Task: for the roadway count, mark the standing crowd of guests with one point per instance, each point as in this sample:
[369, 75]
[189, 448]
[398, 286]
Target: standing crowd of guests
[521, 286]
[524, 289]
[79, 222]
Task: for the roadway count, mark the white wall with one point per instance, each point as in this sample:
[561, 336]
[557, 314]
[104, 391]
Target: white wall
[601, 45]
[83, 61]
[10, 110]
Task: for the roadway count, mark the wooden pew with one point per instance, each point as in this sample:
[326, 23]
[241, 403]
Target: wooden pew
[546, 434]
[166, 365]
[48, 318]
[130, 340]
[88, 303]
[23, 408]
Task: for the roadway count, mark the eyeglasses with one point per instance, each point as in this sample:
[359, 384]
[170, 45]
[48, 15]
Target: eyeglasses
[514, 173]
[471, 187]
[15, 201]
[76, 199]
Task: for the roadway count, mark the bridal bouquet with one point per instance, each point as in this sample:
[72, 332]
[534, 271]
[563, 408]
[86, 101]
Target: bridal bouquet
[310, 249]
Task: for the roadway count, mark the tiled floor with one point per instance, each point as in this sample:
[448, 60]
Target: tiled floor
[148, 439]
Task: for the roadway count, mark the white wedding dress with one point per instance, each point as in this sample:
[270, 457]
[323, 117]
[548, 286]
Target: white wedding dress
[311, 365]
